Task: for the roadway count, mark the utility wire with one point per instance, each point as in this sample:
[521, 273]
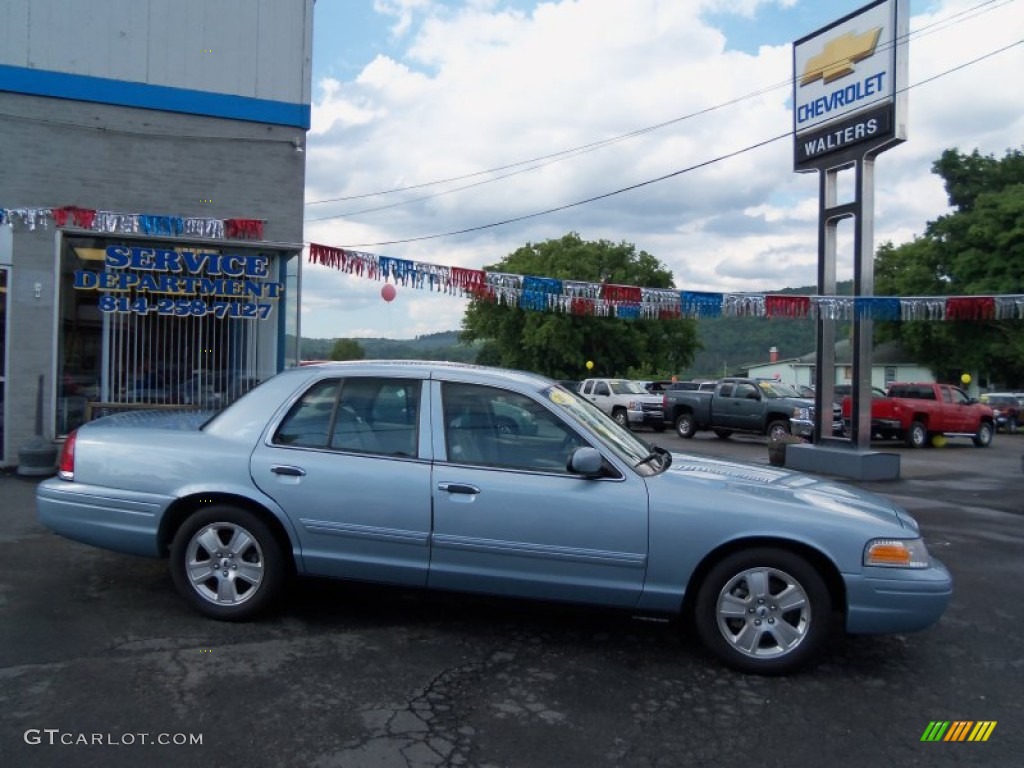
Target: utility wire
[545, 160]
[664, 177]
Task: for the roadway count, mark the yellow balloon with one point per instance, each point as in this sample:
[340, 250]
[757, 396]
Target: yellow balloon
[965, 378]
[590, 365]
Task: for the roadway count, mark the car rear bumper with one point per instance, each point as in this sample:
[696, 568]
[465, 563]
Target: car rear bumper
[883, 600]
[123, 521]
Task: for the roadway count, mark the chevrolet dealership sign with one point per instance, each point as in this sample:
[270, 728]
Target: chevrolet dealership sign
[849, 84]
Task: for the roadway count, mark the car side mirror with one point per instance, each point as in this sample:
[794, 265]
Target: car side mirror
[586, 461]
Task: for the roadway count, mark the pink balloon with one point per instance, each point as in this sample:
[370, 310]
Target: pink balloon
[388, 292]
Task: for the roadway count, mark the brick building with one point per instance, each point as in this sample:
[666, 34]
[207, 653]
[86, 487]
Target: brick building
[151, 197]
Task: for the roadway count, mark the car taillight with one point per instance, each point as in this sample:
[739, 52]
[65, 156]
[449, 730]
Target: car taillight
[66, 468]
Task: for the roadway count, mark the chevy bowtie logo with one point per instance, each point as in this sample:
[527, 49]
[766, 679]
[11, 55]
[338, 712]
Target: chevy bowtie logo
[837, 58]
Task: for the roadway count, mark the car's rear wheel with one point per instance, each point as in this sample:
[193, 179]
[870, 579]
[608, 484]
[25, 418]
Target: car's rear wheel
[917, 435]
[765, 610]
[983, 437]
[686, 426]
[227, 564]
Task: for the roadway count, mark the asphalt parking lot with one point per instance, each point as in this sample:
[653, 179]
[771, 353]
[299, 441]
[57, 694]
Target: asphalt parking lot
[100, 662]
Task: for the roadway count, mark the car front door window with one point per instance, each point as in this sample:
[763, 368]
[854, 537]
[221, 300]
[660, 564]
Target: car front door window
[498, 428]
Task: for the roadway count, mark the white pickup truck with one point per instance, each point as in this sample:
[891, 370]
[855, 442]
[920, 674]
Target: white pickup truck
[626, 401]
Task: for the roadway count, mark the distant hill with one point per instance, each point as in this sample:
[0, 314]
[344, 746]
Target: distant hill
[731, 343]
[432, 346]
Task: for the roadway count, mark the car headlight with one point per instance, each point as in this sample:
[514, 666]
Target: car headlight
[803, 414]
[634, 405]
[897, 553]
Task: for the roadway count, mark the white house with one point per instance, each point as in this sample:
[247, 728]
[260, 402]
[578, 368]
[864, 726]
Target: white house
[889, 363]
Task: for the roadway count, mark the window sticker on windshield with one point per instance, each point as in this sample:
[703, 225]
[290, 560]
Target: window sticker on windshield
[765, 385]
[558, 397]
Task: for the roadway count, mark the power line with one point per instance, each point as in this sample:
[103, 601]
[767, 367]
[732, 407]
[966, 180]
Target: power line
[664, 177]
[548, 159]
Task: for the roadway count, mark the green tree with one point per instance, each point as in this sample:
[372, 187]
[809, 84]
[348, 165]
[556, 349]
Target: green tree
[347, 349]
[976, 250]
[559, 345]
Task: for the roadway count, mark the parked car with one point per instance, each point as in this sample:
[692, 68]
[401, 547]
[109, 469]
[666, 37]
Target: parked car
[841, 423]
[917, 412]
[213, 389]
[654, 387]
[1005, 408]
[761, 406]
[626, 401]
[700, 386]
[395, 472]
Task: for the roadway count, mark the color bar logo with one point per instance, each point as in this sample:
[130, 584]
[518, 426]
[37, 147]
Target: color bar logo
[958, 730]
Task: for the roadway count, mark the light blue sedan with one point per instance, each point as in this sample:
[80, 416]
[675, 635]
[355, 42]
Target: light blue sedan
[400, 473]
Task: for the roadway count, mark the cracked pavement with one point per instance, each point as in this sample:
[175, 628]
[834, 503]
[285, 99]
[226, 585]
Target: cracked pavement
[347, 676]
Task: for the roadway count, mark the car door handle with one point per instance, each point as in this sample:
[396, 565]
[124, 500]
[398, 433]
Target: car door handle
[281, 469]
[471, 490]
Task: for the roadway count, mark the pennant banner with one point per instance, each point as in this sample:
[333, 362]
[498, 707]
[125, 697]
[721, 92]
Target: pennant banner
[538, 293]
[113, 222]
[535, 293]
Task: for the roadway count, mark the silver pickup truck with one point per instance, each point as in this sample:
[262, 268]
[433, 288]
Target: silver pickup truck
[626, 401]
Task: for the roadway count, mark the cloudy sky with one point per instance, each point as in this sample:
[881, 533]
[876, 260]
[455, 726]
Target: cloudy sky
[435, 116]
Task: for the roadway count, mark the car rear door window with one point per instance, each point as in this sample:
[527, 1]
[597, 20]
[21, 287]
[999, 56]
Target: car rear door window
[363, 415]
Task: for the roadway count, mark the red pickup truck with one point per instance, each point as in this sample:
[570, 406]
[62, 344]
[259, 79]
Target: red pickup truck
[915, 413]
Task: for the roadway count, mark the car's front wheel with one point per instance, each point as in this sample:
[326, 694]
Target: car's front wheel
[686, 425]
[227, 564]
[983, 437]
[764, 610]
[621, 417]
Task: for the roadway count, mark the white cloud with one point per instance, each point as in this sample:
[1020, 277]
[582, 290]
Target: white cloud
[487, 85]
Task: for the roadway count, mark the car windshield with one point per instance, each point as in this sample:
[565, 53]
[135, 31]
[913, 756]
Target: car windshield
[774, 389]
[626, 387]
[619, 440]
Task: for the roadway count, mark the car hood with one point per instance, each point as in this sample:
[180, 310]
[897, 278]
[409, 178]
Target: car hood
[783, 487]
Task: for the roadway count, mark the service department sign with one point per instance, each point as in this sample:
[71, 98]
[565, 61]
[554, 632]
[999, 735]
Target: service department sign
[849, 84]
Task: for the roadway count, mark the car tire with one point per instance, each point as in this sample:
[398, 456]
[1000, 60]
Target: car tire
[765, 610]
[917, 435]
[621, 418]
[983, 437]
[686, 426]
[723, 434]
[778, 430]
[250, 575]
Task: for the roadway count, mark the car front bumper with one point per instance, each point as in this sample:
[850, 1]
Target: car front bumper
[887, 600]
[646, 418]
[801, 427]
